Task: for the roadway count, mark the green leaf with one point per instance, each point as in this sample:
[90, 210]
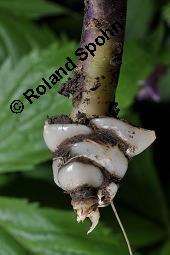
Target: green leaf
[19, 36]
[154, 40]
[166, 249]
[166, 12]
[142, 204]
[142, 231]
[32, 8]
[40, 172]
[22, 144]
[164, 53]
[26, 229]
[139, 15]
[165, 88]
[141, 191]
[137, 65]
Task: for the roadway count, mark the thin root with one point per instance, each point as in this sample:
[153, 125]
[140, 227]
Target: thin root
[122, 228]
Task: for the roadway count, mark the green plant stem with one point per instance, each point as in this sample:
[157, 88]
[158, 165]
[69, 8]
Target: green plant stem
[101, 70]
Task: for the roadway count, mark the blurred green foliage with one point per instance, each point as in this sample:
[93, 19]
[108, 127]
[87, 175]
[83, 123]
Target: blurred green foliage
[31, 9]
[35, 38]
[25, 229]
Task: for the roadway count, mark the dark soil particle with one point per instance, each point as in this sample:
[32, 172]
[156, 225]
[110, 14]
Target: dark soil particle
[82, 118]
[110, 138]
[74, 87]
[85, 193]
[114, 110]
[61, 119]
[99, 136]
[97, 84]
[82, 193]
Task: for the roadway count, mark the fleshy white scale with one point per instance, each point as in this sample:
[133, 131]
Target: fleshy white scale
[76, 174]
[57, 163]
[55, 134]
[112, 189]
[109, 157]
[70, 173]
[138, 139]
